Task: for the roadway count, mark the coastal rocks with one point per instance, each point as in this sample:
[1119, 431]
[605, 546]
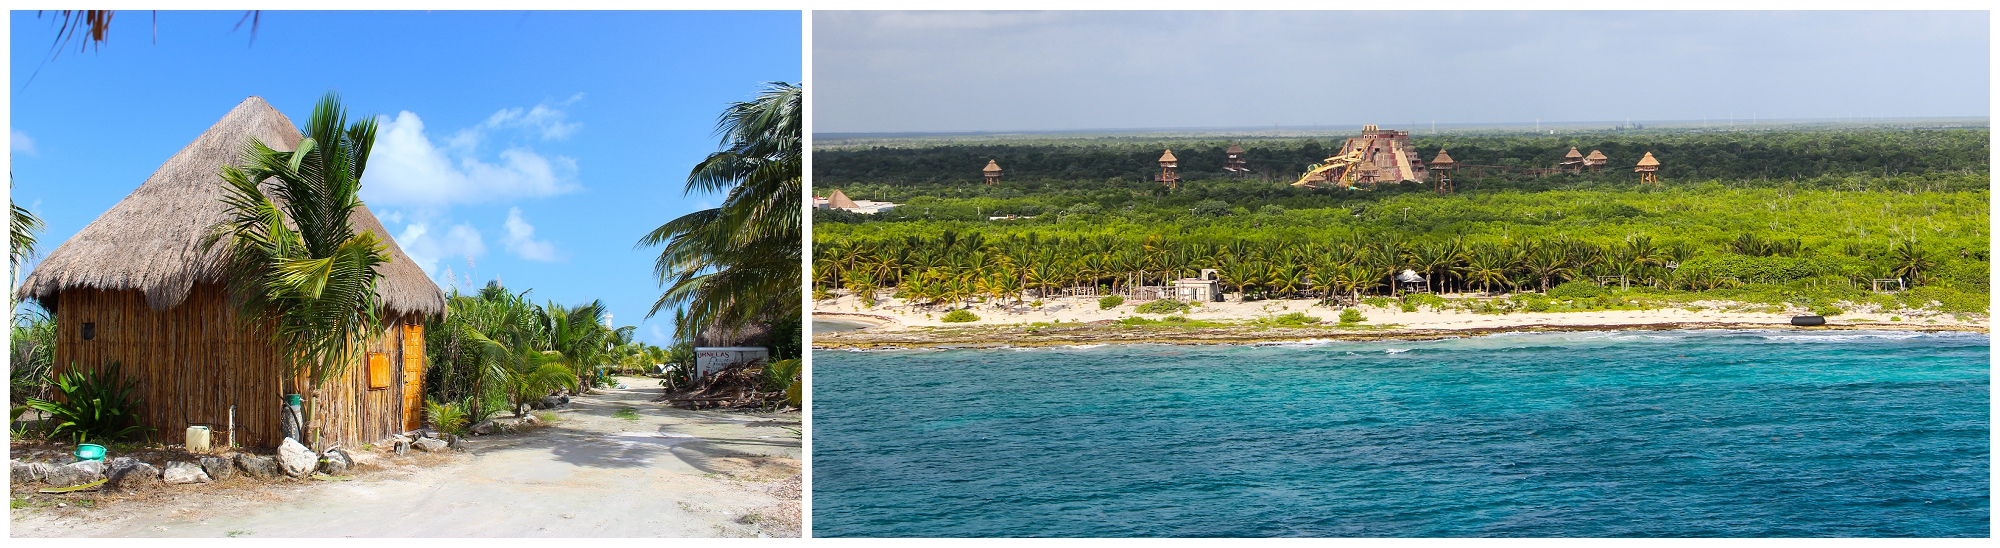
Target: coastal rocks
[430, 445]
[182, 473]
[217, 468]
[128, 474]
[257, 466]
[335, 462]
[295, 459]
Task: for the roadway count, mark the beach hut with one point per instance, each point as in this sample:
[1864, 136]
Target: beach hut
[137, 287]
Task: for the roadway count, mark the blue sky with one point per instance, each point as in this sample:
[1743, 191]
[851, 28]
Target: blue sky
[540, 145]
[1027, 71]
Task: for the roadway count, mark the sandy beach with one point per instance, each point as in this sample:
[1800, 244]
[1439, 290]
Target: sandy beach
[1079, 320]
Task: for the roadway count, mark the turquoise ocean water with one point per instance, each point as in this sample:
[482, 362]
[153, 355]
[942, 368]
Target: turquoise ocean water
[1666, 433]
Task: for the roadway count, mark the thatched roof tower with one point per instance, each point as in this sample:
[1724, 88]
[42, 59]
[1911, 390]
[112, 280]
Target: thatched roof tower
[151, 240]
[1442, 159]
[992, 171]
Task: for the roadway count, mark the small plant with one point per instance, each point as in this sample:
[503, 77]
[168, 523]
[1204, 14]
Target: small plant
[1895, 318]
[1110, 302]
[1351, 316]
[961, 316]
[548, 416]
[1036, 304]
[1408, 307]
[820, 294]
[626, 413]
[1295, 319]
[1162, 306]
[447, 417]
[1828, 311]
[94, 405]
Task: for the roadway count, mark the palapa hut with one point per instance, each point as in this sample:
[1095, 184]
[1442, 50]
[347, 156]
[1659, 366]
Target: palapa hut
[136, 286]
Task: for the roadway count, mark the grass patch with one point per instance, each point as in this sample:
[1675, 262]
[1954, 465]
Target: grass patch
[1295, 319]
[548, 416]
[626, 413]
[1162, 306]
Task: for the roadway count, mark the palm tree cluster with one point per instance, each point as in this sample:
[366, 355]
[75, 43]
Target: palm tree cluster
[738, 263]
[954, 269]
[498, 350]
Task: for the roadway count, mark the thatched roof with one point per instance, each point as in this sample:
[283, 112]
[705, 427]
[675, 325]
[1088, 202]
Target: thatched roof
[1233, 149]
[1442, 159]
[992, 166]
[745, 335]
[1169, 156]
[1573, 153]
[1648, 161]
[839, 199]
[151, 240]
[1596, 156]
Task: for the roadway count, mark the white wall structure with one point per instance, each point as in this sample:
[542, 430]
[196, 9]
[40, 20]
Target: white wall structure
[709, 359]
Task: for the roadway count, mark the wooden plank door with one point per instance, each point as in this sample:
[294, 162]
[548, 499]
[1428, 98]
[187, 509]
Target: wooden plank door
[413, 376]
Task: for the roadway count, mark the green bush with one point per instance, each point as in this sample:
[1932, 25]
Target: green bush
[93, 405]
[1351, 315]
[1378, 302]
[1211, 208]
[1162, 306]
[1110, 302]
[1828, 311]
[1413, 300]
[447, 417]
[1576, 289]
[960, 316]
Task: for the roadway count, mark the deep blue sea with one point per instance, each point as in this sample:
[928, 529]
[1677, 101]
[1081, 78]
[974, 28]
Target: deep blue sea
[1660, 433]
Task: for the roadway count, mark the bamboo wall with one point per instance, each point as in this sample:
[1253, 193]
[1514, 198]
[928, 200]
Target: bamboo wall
[195, 360]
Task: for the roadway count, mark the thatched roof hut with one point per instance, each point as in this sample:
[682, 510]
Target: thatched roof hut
[151, 240]
[136, 287]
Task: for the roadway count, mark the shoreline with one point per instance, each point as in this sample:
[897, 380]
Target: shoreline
[1024, 337]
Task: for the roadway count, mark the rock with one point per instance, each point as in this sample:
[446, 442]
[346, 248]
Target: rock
[95, 467]
[399, 438]
[403, 447]
[257, 466]
[295, 459]
[363, 458]
[218, 468]
[483, 428]
[550, 401]
[127, 474]
[454, 442]
[182, 473]
[431, 445]
[30, 472]
[529, 420]
[74, 474]
[335, 462]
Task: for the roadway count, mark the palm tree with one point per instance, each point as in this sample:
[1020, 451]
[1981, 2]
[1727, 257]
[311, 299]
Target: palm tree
[21, 233]
[1910, 261]
[739, 263]
[294, 255]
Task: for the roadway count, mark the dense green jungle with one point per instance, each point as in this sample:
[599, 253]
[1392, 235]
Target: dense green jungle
[1803, 216]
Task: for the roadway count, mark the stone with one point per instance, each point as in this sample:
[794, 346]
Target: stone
[454, 442]
[403, 447]
[182, 473]
[529, 420]
[30, 472]
[95, 467]
[128, 474]
[430, 445]
[295, 459]
[335, 462]
[74, 474]
[483, 428]
[218, 468]
[257, 466]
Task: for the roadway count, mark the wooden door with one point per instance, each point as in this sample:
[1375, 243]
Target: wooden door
[413, 376]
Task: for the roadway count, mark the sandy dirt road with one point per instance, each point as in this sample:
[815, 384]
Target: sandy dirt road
[669, 472]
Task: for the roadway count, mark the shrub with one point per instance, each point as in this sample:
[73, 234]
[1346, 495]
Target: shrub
[960, 316]
[1085, 208]
[1576, 289]
[1378, 302]
[1295, 319]
[1828, 311]
[447, 417]
[1413, 300]
[1110, 302]
[94, 405]
[1162, 306]
[1351, 316]
[1407, 307]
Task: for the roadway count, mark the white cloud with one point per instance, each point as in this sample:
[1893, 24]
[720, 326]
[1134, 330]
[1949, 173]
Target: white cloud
[390, 216]
[459, 240]
[659, 337]
[19, 142]
[406, 168]
[520, 239]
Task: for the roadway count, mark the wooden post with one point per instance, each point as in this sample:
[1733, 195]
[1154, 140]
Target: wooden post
[232, 427]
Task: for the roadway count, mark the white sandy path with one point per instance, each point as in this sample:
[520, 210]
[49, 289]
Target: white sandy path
[893, 314]
[670, 472]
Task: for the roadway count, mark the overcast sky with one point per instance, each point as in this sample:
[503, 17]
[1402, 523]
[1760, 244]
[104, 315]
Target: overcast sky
[1027, 71]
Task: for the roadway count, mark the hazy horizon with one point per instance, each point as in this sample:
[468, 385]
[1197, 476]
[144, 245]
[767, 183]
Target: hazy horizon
[948, 72]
